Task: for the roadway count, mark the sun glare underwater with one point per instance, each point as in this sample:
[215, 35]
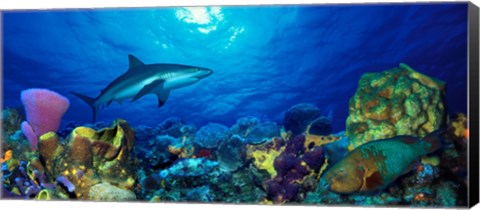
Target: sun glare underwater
[319, 104]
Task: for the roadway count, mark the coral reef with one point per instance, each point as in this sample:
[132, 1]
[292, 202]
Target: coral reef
[395, 102]
[244, 126]
[262, 132]
[16, 179]
[108, 192]
[231, 154]
[183, 148]
[338, 149]
[171, 126]
[190, 167]
[242, 186]
[211, 135]
[455, 155]
[298, 170]
[44, 109]
[157, 153]
[298, 117]
[11, 121]
[87, 158]
[7, 155]
[436, 181]
[314, 140]
[252, 162]
[15, 145]
[264, 155]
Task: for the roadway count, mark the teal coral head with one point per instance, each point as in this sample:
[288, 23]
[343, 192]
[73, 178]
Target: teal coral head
[163, 174]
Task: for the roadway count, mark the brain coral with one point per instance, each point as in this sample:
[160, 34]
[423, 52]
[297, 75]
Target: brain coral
[211, 135]
[399, 101]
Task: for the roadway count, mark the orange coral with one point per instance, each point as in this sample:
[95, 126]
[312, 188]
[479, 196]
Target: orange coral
[7, 156]
[183, 149]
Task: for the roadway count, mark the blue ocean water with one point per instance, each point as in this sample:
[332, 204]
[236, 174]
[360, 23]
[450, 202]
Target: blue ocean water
[265, 58]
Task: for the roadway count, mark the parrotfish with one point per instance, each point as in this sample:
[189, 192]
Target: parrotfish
[376, 164]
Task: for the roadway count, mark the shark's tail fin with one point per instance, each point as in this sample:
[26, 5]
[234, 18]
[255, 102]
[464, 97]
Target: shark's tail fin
[90, 101]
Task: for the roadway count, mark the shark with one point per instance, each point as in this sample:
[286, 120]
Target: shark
[142, 79]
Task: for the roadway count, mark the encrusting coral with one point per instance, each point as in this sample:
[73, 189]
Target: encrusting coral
[264, 155]
[399, 101]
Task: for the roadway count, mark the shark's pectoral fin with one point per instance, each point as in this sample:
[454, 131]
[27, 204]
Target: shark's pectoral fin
[162, 97]
[148, 89]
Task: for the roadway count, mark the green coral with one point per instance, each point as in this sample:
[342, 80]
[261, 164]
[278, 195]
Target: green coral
[446, 195]
[44, 194]
[399, 101]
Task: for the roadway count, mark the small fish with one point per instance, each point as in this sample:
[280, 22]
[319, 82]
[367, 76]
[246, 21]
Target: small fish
[189, 167]
[376, 164]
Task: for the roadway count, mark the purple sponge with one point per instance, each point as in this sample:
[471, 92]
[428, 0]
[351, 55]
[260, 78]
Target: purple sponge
[44, 109]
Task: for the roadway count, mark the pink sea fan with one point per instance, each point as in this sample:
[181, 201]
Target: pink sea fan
[44, 110]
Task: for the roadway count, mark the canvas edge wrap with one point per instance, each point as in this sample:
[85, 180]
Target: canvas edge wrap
[473, 66]
[1, 86]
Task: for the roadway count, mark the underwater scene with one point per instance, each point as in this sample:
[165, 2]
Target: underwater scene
[358, 105]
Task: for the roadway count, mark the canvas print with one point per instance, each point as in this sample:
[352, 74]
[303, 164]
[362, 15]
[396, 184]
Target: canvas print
[359, 105]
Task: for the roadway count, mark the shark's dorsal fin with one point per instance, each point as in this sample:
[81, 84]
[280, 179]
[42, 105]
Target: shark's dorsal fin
[148, 89]
[134, 62]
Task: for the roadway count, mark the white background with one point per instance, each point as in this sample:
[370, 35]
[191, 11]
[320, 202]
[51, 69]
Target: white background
[78, 205]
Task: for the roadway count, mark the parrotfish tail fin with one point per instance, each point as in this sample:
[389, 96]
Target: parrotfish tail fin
[436, 140]
[90, 101]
